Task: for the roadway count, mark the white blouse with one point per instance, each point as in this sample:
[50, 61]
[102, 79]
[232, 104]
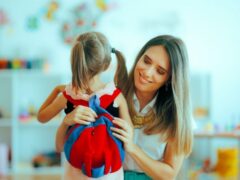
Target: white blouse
[152, 145]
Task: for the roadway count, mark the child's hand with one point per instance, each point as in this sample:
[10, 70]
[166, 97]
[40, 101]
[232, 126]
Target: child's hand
[80, 115]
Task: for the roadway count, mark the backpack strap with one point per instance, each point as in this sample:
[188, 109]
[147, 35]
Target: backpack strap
[107, 99]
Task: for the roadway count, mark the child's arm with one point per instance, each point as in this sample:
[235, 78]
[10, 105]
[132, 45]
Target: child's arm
[123, 109]
[52, 105]
[60, 136]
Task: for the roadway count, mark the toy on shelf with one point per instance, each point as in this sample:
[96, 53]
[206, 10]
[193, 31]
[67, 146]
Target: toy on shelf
[200, 112]
[28, 114]
[47, 159]
[226, 166]
[227, 162]
[17, 63]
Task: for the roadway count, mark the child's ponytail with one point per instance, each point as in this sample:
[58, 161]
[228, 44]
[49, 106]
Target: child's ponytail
[121, 75]
[79, 67]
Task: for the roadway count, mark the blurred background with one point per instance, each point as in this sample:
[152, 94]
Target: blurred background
[35, 44]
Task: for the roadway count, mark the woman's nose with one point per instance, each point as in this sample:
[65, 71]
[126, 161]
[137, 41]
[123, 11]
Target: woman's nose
[149, 71]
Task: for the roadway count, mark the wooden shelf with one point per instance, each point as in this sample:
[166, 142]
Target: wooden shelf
[218, 135]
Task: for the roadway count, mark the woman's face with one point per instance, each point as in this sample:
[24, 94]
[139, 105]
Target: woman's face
[152, 70]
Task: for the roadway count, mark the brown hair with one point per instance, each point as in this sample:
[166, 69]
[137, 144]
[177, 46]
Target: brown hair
[172, 108]
[91, 54]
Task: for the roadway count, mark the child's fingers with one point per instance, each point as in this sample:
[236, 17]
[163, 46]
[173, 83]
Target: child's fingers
[94, 113]
[90, 111]
[82, 122]
[86, 118]
[86, 111]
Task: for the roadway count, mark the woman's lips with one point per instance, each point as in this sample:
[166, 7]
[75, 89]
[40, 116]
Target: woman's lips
[143, 80]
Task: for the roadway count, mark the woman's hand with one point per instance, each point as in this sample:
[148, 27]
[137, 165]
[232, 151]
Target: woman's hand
[80, 115]
[124, 132]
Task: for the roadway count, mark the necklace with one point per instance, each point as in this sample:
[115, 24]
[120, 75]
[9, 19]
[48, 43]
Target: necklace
[139, 121]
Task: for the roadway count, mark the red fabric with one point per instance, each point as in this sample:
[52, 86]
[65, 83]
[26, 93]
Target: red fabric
[107, 99]
[76, 102]
[98, 152]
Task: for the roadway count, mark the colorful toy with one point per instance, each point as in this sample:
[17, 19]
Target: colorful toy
[227, 162]
[46, 159]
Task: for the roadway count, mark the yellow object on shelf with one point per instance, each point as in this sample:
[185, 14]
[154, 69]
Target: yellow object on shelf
[227, 162]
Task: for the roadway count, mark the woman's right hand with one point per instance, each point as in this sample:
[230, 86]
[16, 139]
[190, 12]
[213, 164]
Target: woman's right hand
[80, 115]
[124, 132]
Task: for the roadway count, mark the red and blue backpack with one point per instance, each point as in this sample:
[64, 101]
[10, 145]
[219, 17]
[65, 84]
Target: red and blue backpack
[92, 148]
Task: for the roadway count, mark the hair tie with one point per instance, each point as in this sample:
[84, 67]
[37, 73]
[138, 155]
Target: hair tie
[113, 50]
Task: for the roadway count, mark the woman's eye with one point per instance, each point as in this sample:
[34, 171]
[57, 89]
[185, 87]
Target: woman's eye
[146, 61]
[161, 72]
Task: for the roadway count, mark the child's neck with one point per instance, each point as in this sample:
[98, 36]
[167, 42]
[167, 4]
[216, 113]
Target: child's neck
[96, 83]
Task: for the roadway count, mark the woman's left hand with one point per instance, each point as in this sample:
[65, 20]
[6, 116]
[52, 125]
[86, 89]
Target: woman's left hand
[124, 132]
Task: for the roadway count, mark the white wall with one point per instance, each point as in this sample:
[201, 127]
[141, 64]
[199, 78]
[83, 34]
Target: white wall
[209, 28]
[212, 36]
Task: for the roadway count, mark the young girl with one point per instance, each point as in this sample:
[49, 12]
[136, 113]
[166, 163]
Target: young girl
[91, 55]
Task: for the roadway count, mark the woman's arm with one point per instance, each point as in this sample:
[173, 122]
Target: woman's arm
[52, 105]
[167, 168]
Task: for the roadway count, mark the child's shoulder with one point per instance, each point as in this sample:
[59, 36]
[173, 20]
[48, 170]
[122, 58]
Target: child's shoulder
[108, 89]
[70, 92]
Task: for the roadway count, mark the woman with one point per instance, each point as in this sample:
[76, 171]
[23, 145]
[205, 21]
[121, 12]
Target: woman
[157, 93]
[160, 110]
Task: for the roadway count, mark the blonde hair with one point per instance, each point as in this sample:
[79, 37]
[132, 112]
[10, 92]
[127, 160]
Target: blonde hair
[173, 117]
[91, 54]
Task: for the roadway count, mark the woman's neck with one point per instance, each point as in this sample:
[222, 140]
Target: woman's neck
[144, 98]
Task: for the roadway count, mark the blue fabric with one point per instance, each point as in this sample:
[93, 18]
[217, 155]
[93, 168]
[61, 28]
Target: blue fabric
[96, 172]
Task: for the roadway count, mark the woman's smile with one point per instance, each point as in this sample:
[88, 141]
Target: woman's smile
[143, 79]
